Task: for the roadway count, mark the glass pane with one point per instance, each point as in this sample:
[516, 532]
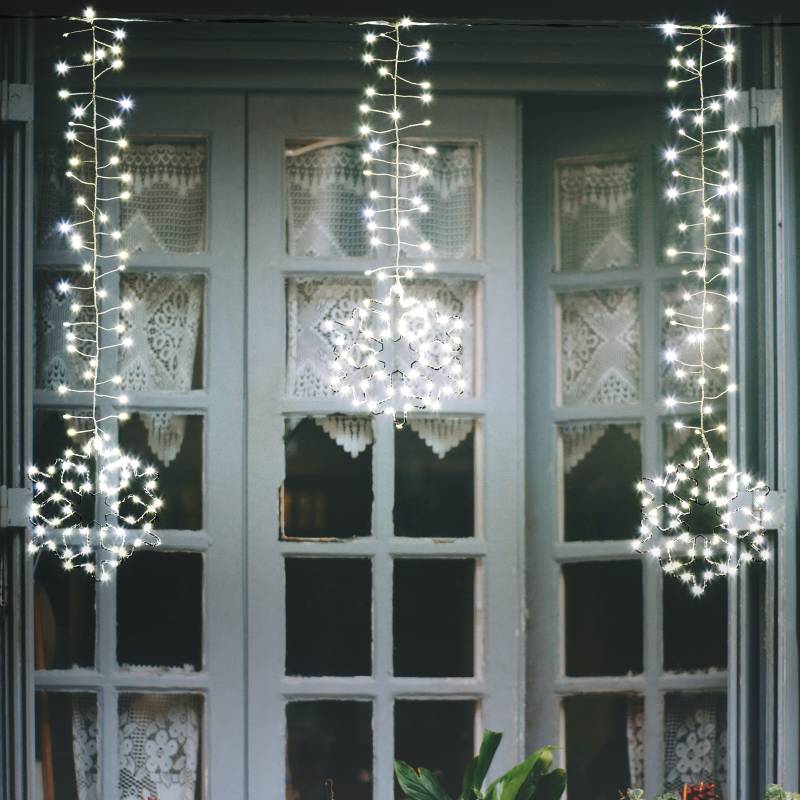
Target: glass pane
[50, 440]
[715, 347]
[695, 633]
[55, 192]
[171, 633]
[601, 465]
[455, 298]
[168, 207]
[600, 347]
[438, 735]
[329, 740]
[695, 740]
[173, 443]
[605, 745]
[327, 492]
[326, 192]
[328, 616]
[309, 347]
[598, 213]
[64, 616]
[54, 366]
[166, 324]
[604, 625]
[435, 462]
[66, 746]
[451, 191]
[160, 740]
[434, 617]
[679, 443]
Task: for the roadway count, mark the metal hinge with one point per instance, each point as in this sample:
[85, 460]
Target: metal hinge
[757, 108]
[14, 507]
[16, 102]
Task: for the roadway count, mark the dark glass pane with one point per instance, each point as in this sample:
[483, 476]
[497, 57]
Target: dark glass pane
[64, 616]
[170, 634]
[434, 483]
[66, 745]
[438, 735]
[50, 440]
[602, 464]
[160, 745]
[695, 629]
[600, 763]
[329, 740]
[695, 740]
[173, 444]
[604, 625]
[434, 628]
[327, 492]
[328, 616]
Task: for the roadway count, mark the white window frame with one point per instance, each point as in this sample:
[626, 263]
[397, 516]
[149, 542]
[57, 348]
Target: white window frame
[497, 405]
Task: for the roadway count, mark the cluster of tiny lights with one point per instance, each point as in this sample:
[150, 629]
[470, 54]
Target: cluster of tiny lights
[703, 519]
[96, 504]
[396, 353]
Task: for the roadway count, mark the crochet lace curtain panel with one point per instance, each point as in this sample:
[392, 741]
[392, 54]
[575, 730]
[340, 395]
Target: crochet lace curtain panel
[159, 743]
[600, 347]
[326, 191]
[695, 741]
[597, 214]
[578, 439]
[310, 301]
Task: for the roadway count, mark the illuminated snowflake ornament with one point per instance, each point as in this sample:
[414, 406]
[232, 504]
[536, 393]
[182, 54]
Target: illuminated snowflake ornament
[95, 504]
[397, 353]
[703, 520]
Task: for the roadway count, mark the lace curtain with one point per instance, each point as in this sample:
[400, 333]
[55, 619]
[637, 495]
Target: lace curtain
[168, 208]
[600, 347]
[55, 192]
[327, 191]
[695, 741]
[159, 744]
[578, 439]
[165, 323]
[597, 214]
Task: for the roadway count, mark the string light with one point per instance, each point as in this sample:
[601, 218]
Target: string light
[702, 519]
[398, 352]
[95, 504]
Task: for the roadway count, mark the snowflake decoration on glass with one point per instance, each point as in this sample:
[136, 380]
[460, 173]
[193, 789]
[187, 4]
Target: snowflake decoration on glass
[703, 519]
[95, 504]
[396, 353]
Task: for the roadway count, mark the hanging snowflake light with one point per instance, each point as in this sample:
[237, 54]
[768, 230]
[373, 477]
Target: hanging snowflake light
[95, 504]
[704, 518]
[398, 352]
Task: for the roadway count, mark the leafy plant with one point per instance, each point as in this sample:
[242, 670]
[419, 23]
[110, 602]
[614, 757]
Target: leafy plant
[532, 779]
[776, 793]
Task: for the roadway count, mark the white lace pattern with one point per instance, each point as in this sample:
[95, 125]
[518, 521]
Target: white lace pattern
[600, 347]
[578, 439]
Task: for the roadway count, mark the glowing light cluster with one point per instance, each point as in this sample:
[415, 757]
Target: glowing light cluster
[703, 519]
[95, 504]
[398, 352]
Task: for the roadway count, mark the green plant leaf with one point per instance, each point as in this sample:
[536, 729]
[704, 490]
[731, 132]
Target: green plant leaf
[551, 786]
[508, 786]
[489, 745]
[543, 762]
[467, 784]
[419, 784]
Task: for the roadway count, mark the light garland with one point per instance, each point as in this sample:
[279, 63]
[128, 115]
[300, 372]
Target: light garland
[399, 352]
[703, 519]
[119, 489]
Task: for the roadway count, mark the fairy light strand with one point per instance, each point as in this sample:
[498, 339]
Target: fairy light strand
[399, 352]
[703, 519]
[95, 504]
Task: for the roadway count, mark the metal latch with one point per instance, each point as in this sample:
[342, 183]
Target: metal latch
[16, 102]
[757, 108]
[14, 507]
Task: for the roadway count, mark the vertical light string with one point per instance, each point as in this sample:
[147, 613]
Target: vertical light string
[703, 519]
[399, 352]
[94, 505]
